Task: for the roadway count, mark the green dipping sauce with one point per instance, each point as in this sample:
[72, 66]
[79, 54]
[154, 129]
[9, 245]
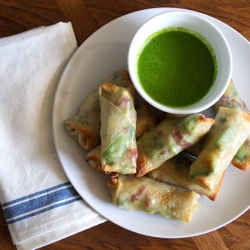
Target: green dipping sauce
[176, 67]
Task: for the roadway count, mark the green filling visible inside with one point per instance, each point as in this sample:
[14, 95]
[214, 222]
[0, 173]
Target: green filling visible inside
[204, 170]
[225, 138]
[115, 150]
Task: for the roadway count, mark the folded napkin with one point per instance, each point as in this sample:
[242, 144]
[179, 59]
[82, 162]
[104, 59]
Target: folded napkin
[39, 203]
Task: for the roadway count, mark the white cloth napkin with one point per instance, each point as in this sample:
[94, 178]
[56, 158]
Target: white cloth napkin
[39, 203]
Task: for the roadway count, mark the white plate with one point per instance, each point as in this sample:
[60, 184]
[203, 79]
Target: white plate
[101, 54]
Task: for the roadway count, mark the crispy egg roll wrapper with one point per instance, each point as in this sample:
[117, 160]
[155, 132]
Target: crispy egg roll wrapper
[242, 158]
[153, 197]
[169, 138]
[231, 99]
[118, 124]
[85, 125]
[230, 130]
[145, 120]
[176, 171]
[93, 157]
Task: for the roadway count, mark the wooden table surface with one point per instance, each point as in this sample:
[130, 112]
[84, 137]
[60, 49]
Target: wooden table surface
[87, 16]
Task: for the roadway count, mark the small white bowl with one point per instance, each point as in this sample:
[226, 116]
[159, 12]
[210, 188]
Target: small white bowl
[195, 22]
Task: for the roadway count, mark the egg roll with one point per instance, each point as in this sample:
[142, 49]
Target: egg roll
[231, 99]
[144, 122]
[118, 129]
[85, 125]
[153, 197]
[176, 172]
[230, 130]
[169, 138]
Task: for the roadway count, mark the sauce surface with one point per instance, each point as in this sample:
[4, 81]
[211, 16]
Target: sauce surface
[176, 67]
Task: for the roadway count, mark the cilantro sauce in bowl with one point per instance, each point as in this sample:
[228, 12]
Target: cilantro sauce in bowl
[179, 62]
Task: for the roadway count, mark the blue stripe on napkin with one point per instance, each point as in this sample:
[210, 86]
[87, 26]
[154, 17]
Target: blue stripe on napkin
[39, 202]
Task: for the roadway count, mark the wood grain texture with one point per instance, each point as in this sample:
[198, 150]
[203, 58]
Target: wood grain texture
[87, 16]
